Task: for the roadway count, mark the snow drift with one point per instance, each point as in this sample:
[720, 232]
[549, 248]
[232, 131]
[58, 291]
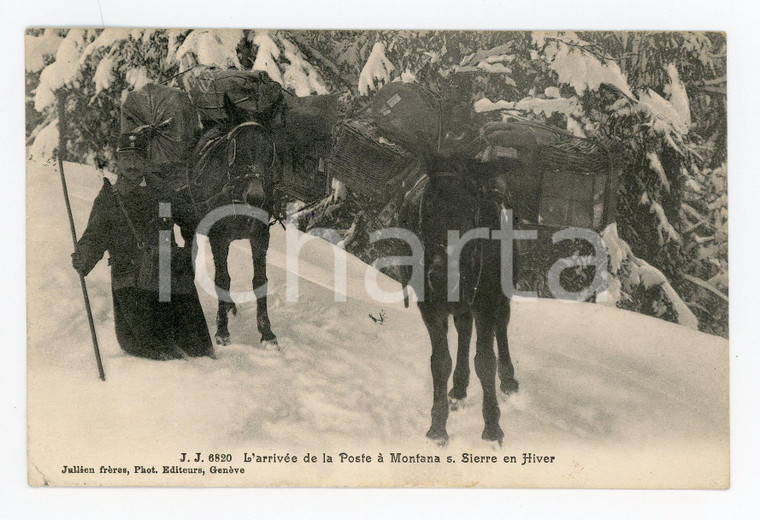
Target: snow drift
[619, 398]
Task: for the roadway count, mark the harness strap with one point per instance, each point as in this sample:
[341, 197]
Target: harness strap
[190, 191]
[140, 242]
[480, 267]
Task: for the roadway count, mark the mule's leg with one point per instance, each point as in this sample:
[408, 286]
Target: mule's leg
[259, 253]
[220, 247]
[506, 369]
[463, 324]
[485, 368]
[436, 321]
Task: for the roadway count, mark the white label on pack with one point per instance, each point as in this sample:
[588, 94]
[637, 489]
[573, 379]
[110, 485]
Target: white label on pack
[502, 151]
[393, 100]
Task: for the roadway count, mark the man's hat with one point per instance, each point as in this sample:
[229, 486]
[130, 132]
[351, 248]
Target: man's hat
[133, 142]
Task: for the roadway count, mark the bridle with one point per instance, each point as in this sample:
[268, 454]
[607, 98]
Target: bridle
[229, 141]
[232, 143]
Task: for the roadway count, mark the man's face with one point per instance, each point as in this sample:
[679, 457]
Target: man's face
[131, 165]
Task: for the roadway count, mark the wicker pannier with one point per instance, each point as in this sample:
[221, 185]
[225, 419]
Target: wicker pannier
[364, 161]
[572, 177]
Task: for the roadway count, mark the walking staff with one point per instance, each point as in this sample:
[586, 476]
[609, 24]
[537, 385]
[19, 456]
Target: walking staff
[61, 152]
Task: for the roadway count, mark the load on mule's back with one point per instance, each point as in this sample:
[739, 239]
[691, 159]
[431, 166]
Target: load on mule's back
[555, 178]
[213, 92]
[167, 119]
[300, 126]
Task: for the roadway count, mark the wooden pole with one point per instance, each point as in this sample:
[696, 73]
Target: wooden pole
[61, 151]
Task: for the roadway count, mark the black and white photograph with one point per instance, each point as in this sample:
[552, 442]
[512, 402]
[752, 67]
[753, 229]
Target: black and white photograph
[377, 258]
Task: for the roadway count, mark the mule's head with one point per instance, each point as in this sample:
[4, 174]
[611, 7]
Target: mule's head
[463, 197]
[452, 182]
[251, 155]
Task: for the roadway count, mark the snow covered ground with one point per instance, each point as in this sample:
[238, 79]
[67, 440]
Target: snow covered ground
[620, 399]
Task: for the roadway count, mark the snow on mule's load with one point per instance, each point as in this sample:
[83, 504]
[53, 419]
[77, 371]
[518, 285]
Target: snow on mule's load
[168, 119]
[213, 91]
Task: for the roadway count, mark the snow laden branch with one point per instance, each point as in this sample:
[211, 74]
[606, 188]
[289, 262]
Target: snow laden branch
[300, 75]
[63, 70]
[377, 70]
[45, 144]
[492, 61]
[552, 103]
[210, 49]
[286, 64]
[583, 67]
[41, 47]
[627, 272]
[267, 55]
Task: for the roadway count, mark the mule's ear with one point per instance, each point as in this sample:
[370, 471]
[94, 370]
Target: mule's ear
[229, 109]
[235, 115]
[231, 152]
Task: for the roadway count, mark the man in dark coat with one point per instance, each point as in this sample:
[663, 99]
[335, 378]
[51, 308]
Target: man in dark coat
[126, 220]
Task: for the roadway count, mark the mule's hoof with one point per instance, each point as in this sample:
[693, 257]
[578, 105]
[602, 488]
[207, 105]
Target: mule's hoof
[270, 344]
[222, 340]
[457, 394]
[493, 434]
[509, 386]
[457, 401]
[438, 436]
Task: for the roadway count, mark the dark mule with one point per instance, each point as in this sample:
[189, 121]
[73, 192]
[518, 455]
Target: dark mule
[234, 167]
[454, 200]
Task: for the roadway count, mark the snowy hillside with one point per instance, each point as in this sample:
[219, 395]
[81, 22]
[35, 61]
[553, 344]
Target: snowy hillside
[612, 394]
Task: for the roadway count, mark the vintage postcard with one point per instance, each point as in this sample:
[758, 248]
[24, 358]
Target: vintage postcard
[377, 258]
